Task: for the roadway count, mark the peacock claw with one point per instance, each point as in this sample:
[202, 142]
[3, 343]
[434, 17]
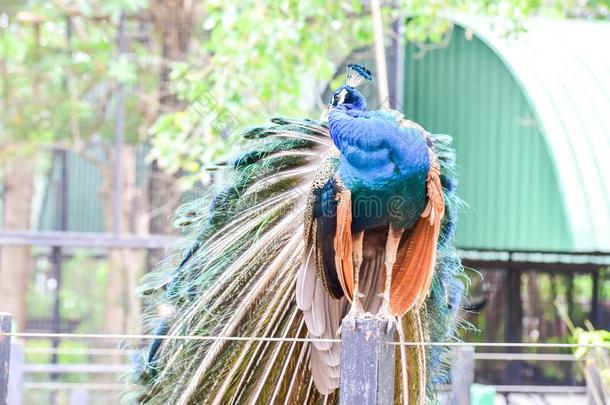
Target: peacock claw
[356, 311]
[386, 315]
[392, 321]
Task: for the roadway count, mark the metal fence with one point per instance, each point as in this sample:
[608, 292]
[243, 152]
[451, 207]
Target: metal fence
[81, 249]
[30, 383]
[98, 380]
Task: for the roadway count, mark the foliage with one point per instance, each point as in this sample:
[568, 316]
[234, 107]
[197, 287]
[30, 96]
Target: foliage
[81, 299]
[598, 357]
[258, 59]
[251, 59]
[263, 58]
[58, 74]
[247, 61]
[589, 337]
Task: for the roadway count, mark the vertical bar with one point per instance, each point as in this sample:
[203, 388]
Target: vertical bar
[462, 375]
[61, 184]
[380, 61]
[119, 137]
[79, 397]
[62, 208]
[5, 355]
[367, 363]
[601, 310]
[56, 258]
[513, 321]
[397, 64]
[595, 386]
[569, 278]
[570, 295]
[595, 318]
[15, 388]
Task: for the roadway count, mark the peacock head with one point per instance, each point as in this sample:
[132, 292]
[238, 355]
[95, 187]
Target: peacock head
[347, 96]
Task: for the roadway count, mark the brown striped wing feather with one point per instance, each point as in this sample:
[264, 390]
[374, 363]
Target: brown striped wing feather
[343, 243]
[416, 258]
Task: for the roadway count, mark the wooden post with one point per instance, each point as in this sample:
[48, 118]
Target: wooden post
[79, 397]
[462, 375]
[513, 322]
[367, 362]
[5, 355]
[595, 387]
[17, 363]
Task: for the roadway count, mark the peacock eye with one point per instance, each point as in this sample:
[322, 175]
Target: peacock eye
[334, 100]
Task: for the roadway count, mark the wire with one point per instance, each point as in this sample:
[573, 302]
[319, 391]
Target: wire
[541, 389]
[477, 356]
[526, 356]
[27, 335]
[85, 352]
[74, 386]
[287, 339]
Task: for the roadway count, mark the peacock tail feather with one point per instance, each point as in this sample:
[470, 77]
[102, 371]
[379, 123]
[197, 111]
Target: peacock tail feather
[235, 274]
[450, 282]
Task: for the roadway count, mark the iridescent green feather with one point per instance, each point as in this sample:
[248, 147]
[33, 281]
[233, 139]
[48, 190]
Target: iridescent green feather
[234, 275]
[234, 272]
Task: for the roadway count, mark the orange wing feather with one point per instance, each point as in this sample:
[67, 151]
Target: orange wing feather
[414, 267]
[343, 243]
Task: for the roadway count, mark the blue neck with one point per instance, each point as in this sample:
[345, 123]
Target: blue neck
[380, 160]
[372, 146]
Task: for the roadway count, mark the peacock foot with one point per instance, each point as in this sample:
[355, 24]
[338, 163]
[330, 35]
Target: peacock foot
[356, 311]
[386, 315]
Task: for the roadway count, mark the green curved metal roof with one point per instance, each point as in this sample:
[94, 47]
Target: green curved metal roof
[563, 69]
[530, 116]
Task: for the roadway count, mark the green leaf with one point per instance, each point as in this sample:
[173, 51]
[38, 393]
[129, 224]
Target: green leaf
[123, 70]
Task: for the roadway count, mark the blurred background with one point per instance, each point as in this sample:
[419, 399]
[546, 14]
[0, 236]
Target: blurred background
[110, 109]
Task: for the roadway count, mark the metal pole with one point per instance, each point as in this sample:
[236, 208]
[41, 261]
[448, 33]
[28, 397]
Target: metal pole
[62, 207]
[119, 136]
[595, 386]
[382, 70]
[15, 388]
[397, 64]
[462, 375]
[5, 355]
[595, 299]
[367, 363]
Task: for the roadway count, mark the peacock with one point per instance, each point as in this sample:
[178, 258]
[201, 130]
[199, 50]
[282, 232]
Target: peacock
[349, 217]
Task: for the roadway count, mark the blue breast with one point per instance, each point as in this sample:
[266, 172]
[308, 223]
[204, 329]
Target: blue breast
[385, 167]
